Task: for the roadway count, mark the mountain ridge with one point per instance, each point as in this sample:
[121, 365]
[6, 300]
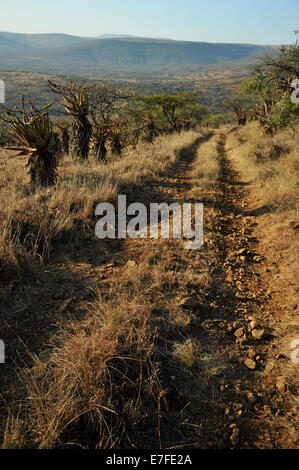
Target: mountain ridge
[129, 36]
[76, 53]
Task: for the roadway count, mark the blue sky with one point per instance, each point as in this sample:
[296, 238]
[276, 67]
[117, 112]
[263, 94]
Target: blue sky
[253, 21]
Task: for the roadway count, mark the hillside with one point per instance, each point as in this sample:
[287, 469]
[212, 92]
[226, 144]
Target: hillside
[14, 43]
[212, 84]
[128, 36]
[11, 46]
[122, 54]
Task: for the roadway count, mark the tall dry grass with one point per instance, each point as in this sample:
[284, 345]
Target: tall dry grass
[97, 383]
[99, 380]
[270, 162]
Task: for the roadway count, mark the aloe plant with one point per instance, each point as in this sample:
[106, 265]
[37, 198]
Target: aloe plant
[33, 131]
[99, 139]
[64, 135]
[115, 136]
[76, 104]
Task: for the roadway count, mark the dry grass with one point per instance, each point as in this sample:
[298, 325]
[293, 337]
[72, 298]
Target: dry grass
[205, 171]
[188, 352]
[270, 162]
[98, 378]
[94, 383]
[99, 385]
[206, 166]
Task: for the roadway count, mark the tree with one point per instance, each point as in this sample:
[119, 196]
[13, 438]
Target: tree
[279, 71]
[240, 105]
[272, 87]
[142, 122]
[171, 109]
[107, 102]
[215, 120]
[191, 114]
[264, 99]
[107, 105]
[285, 114]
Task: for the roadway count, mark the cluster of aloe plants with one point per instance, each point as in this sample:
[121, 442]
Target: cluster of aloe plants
[101, 116]
[115, 136]
[94, 126]
[32, 129]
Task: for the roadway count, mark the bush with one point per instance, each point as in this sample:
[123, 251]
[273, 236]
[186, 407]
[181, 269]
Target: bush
[5, 138]
[216, 120]
[285, 114]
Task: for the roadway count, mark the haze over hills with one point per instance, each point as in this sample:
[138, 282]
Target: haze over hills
[60, 53]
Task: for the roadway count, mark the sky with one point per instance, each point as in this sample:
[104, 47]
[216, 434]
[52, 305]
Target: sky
[253, 21]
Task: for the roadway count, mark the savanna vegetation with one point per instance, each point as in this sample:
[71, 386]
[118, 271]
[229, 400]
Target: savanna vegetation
[267, 97]
[139, 343]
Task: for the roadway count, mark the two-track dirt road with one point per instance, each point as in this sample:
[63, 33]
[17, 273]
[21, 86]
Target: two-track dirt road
[228, 398]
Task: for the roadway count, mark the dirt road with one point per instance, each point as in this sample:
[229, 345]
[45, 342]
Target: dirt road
[228, 396]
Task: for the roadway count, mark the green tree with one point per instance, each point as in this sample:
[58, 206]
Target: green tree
[171, 109]
[271, 89]
[215, 120]
[240, 105]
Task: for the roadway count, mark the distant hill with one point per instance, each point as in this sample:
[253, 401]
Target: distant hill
[10, 46]
[92, 56]
[18, 42]
[129, 36]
